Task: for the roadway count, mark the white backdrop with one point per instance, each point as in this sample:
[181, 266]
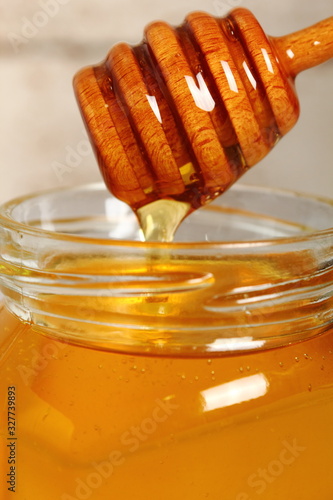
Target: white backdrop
[44, 42]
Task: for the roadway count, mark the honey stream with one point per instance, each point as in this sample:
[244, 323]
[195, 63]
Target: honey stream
[160, 219]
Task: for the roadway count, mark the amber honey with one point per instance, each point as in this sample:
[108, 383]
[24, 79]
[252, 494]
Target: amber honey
[166, 371]
[103, 425]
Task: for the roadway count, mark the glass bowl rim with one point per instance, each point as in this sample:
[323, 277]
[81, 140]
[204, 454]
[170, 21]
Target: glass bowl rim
[7, 220]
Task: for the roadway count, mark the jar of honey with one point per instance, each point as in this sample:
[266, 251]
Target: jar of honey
[197, 369]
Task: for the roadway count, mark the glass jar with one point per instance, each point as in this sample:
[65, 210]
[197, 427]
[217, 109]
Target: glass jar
[196, 369]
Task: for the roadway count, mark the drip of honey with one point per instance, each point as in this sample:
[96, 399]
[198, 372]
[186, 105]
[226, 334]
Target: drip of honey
[160, 219]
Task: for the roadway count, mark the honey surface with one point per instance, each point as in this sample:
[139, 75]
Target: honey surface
[103, 425]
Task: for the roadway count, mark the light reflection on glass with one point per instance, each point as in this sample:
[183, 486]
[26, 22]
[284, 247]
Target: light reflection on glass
[235, 344]
[46, 213]
[267, 61]
[235, 392]
[116, 211]
[249, 75]
[229, 75]
[154, 106]
[263, 297]
[201, 95]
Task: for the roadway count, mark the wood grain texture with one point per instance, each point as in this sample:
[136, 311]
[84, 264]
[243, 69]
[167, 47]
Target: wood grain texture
[306, 48]
[188, 111]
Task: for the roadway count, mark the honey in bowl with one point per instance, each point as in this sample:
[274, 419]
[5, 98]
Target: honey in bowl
[150, 370]
[92, 422]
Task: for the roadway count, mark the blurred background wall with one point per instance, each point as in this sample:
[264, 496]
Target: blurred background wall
[44, 42]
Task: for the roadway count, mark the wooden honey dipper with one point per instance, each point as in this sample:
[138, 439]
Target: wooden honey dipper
[184, 114]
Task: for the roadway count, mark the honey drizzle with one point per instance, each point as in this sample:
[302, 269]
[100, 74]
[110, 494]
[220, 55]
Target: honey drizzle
[160, 219]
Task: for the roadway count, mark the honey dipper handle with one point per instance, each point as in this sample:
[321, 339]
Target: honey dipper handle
[306, 48]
